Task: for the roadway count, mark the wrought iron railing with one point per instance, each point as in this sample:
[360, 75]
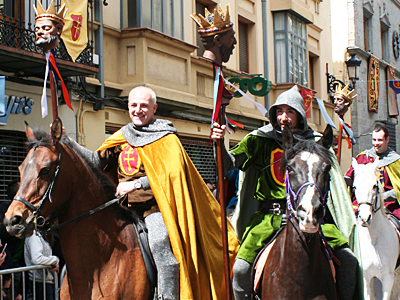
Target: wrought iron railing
[17, 29]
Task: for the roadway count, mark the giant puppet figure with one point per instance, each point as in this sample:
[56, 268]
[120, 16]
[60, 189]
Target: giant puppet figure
[342, 101]
[218, 37]
[48, 28]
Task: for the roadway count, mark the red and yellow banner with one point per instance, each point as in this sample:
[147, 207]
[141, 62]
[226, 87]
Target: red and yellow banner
[307, 97]
[393, 108]
[373, 83]
[74, 34]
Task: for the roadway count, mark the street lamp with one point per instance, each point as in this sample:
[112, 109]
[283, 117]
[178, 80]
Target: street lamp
[352, 64]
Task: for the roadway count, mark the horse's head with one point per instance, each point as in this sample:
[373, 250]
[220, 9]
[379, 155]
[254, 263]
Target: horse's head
[37, 175]
[367, 189]
[307, 165]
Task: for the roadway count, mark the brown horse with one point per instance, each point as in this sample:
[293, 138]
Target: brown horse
[296, 267]
[101, 250]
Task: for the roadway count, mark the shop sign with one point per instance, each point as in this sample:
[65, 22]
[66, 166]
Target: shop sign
[14, 105]
[257, 85]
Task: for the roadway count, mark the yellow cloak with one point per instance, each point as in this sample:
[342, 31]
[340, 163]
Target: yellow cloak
[191, 214]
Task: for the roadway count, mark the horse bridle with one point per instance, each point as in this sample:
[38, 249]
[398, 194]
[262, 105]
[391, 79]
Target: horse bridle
[290, 192]
[37, 209]
[374, 203]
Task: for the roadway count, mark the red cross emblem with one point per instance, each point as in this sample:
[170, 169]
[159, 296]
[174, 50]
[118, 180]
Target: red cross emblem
[129, 161]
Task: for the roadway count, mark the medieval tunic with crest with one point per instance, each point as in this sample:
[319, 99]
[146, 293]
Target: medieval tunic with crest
[263, 155]
[257, 156]
[190, 211]
[388, 174]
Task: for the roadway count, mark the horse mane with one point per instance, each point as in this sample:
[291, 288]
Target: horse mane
[43, 139]
[309, 145]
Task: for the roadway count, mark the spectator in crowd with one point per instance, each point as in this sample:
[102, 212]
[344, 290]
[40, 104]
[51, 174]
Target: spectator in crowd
[6, 291]
[38, 252]
[210, 185]
[15, 246]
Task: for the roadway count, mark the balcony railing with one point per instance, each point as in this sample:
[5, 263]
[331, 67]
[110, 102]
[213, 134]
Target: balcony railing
[17, 32]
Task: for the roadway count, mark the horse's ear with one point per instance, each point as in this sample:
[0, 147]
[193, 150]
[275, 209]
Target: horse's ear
[29, 132]
[287, 138]
[327, 138]
[56, 130]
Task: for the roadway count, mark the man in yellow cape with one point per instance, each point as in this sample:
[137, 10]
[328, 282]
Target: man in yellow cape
[189, 210]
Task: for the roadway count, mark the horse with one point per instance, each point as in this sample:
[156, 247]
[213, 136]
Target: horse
[101, 249]
[379, 243]
[296, 266]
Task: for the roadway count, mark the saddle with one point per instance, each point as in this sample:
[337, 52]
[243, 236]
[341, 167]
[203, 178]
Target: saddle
[151, 270]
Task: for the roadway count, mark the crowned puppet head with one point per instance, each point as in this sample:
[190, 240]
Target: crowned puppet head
[217, 34]
[343, 99]
[48, 25]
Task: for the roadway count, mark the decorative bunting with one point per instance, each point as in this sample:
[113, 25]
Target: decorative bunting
[373, 83]
[51, 63]
[393, 108]
[324, 114]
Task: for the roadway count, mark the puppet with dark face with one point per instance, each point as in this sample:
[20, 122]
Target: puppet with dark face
[217, 34]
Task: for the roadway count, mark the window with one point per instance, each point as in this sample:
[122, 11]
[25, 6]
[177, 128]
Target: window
[162, 15]
[290, 49]
[243, 47]
[385, 25]
[13, 9]
[367, 34]
[368, 12]
[200, 9]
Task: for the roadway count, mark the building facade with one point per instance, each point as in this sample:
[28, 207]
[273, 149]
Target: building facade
[369, 29]
[155, 43]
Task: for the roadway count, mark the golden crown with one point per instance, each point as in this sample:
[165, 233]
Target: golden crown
[345, 93]
[221, 22]
[50, 13]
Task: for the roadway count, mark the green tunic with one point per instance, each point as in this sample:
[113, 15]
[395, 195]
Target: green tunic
[262, 154]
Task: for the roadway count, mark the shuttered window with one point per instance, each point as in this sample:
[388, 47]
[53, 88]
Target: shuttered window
[12, 154]
[201, 152]
[243, 47]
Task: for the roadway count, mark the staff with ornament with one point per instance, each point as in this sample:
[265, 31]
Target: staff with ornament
[48, 28]
[218, 37]
[342, 101]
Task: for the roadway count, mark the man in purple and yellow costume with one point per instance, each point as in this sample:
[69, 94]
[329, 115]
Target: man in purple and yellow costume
[389, 168]
[163, 187]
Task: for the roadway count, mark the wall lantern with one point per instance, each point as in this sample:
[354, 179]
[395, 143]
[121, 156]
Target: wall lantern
[352, 65]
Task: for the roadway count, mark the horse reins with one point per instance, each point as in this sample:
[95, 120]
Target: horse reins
[375, 202]
[289, 192]
[37, 209]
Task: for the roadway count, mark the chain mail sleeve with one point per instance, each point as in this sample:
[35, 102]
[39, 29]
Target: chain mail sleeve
[87, 154]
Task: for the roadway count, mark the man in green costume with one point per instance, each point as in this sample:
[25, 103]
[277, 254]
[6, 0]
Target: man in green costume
[263, 190]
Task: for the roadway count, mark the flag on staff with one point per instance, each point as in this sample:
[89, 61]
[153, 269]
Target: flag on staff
[395, 85]
[307, 97]
[74, 33]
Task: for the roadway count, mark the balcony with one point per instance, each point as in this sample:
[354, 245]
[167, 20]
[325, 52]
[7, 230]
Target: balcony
[20, 55]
